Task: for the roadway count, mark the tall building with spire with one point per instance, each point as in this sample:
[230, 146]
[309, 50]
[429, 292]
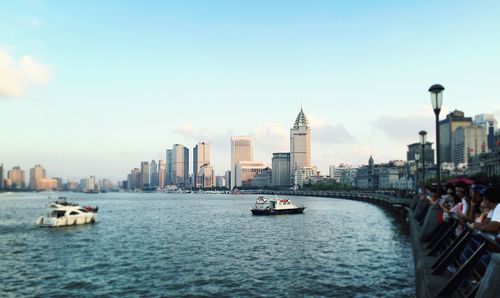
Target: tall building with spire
[300, 144]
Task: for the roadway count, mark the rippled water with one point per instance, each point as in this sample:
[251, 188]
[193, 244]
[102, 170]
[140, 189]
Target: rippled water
[204, 245]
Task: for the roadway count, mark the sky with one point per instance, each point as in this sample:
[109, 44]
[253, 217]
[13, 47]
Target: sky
[95, 87]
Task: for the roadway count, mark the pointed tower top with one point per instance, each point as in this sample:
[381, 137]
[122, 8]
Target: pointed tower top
[301, 120]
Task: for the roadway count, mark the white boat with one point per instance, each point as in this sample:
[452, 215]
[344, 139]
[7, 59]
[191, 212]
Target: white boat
[275, 206]
[62, 213]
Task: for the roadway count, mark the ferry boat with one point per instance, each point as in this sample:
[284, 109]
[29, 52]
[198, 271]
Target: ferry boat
[62, 213]
[275, 206]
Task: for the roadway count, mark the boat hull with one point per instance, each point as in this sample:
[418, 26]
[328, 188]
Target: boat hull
[278, 212]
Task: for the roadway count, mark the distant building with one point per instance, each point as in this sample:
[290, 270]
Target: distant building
[169, 164]
[144, 174]
[344, 174]
[447, 127]
[382, 176]
[220, 181]
[59, 183]
[241, 151]
[72, 186]
[489, 124]
[303, 175]
[106, 185]
[468, 141]
[46, 184]
[206, 176]
[134, 179]
[201, 158]
[263, 179]
[181, 166]
[1, 177]
[281, 169]
[487, 164]
[245, 172]
[36, 173]
[227, 177]
[153, 174]
[161, 173]
[417, 147]
[15, 179]
[300, 144]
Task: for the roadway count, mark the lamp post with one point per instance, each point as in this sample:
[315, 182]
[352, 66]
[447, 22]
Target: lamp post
[436, 92]
[417, 157]
[423, 139]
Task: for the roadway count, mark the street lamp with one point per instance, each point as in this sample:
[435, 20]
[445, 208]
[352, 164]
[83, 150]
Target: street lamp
[436, 92]
[417, 157]
[423, 140]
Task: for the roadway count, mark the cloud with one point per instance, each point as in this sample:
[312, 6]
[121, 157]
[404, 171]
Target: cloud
[15, 77]
[405, 126]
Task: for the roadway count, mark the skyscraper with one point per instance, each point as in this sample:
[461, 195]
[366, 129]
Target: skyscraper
[144, 174]
[300, 144]
[169, 172]
[181, 165]
[447, 127]
[241, 150]
[281, 169]
[201, 158]
[15, 179]
[153, 174]
[161, 173]
[36, 173]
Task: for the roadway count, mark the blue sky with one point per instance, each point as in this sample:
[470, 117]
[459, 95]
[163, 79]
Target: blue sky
[94, 87]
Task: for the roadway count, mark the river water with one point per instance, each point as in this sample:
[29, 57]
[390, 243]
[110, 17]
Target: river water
[156, 244]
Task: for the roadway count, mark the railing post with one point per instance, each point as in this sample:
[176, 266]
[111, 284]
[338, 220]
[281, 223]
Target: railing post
[490, 283]
[431, 222]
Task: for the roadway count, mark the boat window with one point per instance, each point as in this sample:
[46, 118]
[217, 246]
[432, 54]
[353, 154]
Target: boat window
[82, 210]
[58, 213]
[74, 213]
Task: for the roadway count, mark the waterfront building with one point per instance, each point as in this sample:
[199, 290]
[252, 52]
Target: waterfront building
[72, 186]
[263, 179]
[15, 179]
[303, 174]
[281, 169]
[468, 141]
[382, 176]
[206, 176]
[417, 147]
[245, 172]
[169, 173]
[46, 184]
[36, 173]
[1, 177]
[487, 164]
[241, 151]
[161, 173]
[227, 177]
[300, 145]
[134, 179]
[59, 183]
[153, 174]
[201, 158]
[447, 127]
[106, 185]
[220, 181]
[489, 124]
[181, 166]
[144, 174]
[344, 173]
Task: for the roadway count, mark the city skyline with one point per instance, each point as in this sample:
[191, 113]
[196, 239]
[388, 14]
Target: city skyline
[211, 71]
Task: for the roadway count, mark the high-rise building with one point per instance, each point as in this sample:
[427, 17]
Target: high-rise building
[245, 172]
[46, 184]
[134, 179]
[489, 123]
[181, 165]
[241, 150]
[227, 178]
[447, 127]
[207, 176]
[281, 169]
[105, 185]
[36, 173]
[144, 174]
[161, 173]
[300, 144]
[417, 147]
[201, 158]
[153, 174]
[15, 179]
[169, 172]
[1, 177]
[468, 141]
